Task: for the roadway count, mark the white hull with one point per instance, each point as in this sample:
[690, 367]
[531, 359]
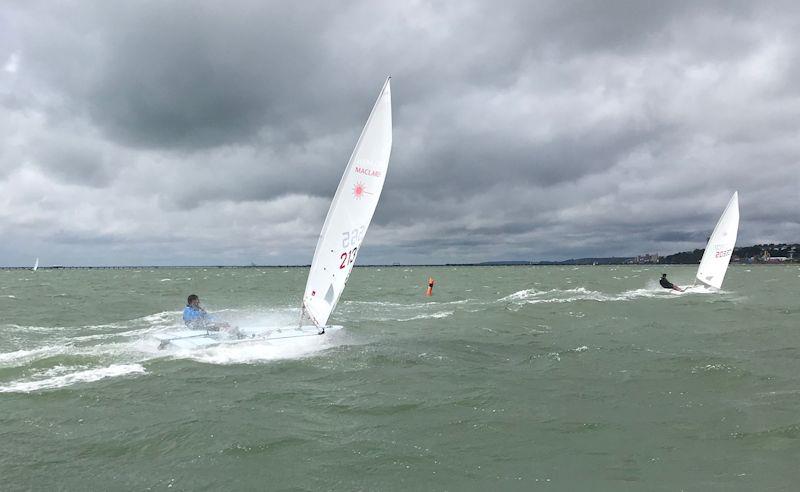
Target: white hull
[698, 288]
[196, 339]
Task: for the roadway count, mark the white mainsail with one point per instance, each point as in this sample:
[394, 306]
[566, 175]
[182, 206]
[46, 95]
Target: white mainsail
[720, 246]
[350, 212]
[36, 265]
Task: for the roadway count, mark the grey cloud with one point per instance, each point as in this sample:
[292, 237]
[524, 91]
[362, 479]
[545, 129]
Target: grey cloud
[184, 74]
[205, 133]
[679, 236]
[75, 163]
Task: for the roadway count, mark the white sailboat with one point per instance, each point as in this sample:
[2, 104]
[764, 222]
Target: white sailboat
[342, 233]
[36, 265]
[719, 249]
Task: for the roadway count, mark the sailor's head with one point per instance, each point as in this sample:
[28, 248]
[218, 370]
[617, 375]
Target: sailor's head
[663, 275]
[192, 300]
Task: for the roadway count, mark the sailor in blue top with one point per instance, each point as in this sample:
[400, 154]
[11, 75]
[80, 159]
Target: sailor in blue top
[194, 315]
[196, 318]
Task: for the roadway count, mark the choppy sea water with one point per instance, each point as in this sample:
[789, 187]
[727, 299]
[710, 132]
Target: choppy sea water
[514, 378]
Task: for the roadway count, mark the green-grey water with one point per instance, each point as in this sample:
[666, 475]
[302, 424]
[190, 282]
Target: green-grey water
[509, 378]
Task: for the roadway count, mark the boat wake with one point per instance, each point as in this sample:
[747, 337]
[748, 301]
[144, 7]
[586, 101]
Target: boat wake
[533, 296]
[256, 350]
[57, 357]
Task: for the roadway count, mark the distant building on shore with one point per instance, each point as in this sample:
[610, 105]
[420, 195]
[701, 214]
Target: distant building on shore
[778, 259]
[647, 259]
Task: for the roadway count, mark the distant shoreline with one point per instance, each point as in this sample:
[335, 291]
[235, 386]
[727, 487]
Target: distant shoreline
[440, 265]
[759, 254]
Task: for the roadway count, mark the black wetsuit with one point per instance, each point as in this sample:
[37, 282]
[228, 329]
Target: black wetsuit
[666, 283]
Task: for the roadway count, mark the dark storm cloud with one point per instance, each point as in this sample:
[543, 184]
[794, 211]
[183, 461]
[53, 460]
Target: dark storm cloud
[191, 74]
[203, 132]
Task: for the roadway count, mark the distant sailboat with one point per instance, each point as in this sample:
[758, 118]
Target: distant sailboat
[720, 245]
[36, 265]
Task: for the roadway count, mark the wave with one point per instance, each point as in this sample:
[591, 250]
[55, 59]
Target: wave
[533, 296]
[556, 355]
[50, 381]
[382, 311]
[415, 305]
[440, 314]
[165, 318]
[13, 359]
[376, 303]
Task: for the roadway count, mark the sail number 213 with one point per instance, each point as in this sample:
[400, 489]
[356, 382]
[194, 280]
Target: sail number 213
[350, 241]
[347, 258]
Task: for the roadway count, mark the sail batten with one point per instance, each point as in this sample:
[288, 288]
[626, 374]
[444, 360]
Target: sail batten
[350, 212]
[719, 249]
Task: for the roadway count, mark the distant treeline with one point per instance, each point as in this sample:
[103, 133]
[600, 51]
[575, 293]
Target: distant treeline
[759, 253]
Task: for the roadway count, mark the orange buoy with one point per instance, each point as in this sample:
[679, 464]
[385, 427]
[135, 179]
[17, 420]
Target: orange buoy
[429, 292]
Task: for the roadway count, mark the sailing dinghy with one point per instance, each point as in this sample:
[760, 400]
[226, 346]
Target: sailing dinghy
[36, 265]
[339, 242]
[719, 249]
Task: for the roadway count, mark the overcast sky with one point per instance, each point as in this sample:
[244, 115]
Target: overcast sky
[188, 133]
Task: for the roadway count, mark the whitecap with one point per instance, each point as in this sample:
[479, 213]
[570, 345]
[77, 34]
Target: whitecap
[440, 314]
[532, 296]
[21, 356]
[70, 378]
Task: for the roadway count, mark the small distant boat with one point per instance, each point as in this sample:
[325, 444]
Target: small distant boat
[36, 265]
[719, 249]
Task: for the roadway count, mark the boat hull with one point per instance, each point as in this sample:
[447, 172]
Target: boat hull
[197, 339]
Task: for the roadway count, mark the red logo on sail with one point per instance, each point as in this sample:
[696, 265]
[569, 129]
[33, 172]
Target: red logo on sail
[360, 190]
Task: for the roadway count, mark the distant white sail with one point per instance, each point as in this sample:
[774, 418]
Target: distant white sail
[720, 246]
[350, 213]
[36, 265]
